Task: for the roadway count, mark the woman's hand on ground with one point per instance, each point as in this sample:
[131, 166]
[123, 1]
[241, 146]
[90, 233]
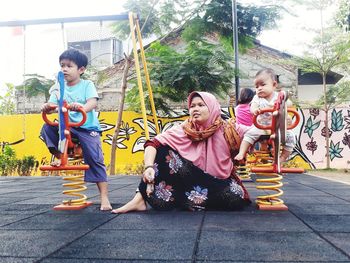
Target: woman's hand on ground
[148, 175]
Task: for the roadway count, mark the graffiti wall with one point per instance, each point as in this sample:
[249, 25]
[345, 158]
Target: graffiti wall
[311, 138]
[22, 133]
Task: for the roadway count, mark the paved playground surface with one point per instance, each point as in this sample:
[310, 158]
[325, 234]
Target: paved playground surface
[316, 228]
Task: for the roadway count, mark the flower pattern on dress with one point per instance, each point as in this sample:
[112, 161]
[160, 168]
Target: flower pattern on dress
[236, 188]
[175, 162]
[198, 195]
[156, 169]
[164, 191]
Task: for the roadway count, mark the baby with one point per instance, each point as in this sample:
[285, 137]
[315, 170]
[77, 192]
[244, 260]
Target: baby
[266, 82]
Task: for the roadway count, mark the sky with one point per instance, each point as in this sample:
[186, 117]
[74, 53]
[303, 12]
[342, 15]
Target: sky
[42, 56]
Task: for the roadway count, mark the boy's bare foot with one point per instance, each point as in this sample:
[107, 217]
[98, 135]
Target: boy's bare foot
[56, 162]
[136, 204]
[105, 204]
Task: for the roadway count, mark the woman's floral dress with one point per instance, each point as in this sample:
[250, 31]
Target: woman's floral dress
[180, 184]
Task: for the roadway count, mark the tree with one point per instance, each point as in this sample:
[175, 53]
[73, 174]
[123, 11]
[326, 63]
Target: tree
[209, 65]
[336, 95]
[7, 101]
[202, 66]
[343, 15]
[35, 85]
[330, 51]
[207, 15]
[161, 16]
[251, 20]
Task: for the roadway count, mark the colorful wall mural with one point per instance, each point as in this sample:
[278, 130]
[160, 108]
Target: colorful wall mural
[311, 138]
[22, 133]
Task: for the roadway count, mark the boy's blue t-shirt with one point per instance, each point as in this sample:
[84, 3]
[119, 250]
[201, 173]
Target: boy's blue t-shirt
[80, 93]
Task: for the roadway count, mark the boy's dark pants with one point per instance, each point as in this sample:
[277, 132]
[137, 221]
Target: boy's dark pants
[90, 144]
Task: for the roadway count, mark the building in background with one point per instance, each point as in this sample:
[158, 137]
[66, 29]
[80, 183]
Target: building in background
[98, 42]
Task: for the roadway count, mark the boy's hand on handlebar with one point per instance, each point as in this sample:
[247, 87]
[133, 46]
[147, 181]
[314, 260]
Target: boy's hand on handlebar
[75, 106]
[48, 108]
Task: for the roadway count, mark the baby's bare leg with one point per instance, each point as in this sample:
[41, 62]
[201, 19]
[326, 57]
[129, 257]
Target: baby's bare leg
[284, 155]
[243, 149]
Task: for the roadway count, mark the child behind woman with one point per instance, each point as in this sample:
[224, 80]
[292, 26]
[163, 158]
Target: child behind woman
[266, 82]
[242, 110]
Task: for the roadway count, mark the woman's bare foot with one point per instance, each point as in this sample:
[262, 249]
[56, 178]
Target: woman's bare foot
[136, 204]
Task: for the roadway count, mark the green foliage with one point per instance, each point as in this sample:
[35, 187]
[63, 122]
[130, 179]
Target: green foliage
[7, 101]
[244, 44]
[10, 165]
[7, 160]
[133, 99]
[201, 66]
[251, 20]
[217, 18]
[329, 50]
[194, 30]
[160, 16]
[35, 85]
[199, 17]
[26, 165]
[343, 15]
[336, 95]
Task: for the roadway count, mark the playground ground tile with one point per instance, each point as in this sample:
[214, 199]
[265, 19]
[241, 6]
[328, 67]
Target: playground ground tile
[316, 228]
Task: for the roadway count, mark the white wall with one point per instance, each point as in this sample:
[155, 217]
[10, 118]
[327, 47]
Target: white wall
[309, 93]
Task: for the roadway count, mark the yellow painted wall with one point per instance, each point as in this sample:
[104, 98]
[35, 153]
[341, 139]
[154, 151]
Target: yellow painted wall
[130, 141]
[309, 152]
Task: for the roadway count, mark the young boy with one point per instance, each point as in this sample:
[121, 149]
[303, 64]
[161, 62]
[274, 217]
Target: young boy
[79, 93]
[266, 83]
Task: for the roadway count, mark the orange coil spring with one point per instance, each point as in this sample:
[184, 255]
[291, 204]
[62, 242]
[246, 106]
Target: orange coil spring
[76, 185]
[271, 182]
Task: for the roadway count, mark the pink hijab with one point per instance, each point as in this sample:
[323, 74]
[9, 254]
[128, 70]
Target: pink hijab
[211, 155]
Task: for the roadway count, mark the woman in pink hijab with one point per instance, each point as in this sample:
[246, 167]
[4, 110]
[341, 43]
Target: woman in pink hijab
[190, 166]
